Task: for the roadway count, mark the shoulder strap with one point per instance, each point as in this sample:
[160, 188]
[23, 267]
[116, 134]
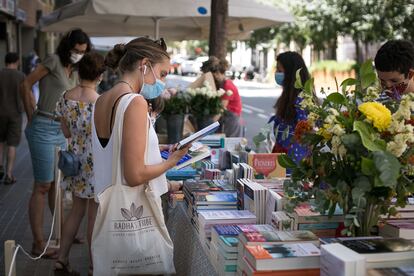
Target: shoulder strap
[112, 112]
[117, 174]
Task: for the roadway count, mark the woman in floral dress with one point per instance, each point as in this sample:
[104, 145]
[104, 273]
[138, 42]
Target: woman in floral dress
[75, 110]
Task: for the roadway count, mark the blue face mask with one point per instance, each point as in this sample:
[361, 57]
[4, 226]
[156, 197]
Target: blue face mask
[279, 78]
[152, 91]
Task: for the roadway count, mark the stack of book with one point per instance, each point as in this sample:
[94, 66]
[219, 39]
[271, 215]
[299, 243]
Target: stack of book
[224, 245]
[208, 195]
[213, 140]
[354, 256]
[398, 229]
[281, 221]
[181, 174]
[280, 259]
[321, 225]
[211, 174]
[207, 219]
[254, 199]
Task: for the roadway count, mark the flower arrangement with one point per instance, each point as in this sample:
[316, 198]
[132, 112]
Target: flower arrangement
[361, 155]
[205, 101]
[176, 102]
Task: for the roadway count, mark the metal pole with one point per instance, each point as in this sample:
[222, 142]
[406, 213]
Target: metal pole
[156, 27]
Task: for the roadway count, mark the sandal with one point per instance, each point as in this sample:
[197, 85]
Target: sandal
[9, 180]
[65, 269]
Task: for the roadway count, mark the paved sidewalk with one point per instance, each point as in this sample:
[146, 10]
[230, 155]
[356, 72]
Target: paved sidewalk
[14, 222]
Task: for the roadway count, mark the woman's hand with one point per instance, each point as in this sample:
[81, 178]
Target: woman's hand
[165, 147]
[177, 155]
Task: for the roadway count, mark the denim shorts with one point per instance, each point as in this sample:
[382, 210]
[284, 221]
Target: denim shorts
[43, 135]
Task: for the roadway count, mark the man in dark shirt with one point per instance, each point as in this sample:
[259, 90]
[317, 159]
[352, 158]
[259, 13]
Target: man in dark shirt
[11, 109]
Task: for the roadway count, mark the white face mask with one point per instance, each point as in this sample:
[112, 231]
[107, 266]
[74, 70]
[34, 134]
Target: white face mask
[75, 58]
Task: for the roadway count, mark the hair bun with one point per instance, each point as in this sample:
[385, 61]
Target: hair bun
[114, 56]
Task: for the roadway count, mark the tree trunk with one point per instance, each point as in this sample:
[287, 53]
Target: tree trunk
[218, 28]
[358, 51]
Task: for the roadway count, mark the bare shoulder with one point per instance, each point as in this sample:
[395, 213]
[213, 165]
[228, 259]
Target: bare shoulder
[137, 108]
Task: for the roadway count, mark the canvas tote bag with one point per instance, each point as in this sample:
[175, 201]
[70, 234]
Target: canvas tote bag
[129, 236]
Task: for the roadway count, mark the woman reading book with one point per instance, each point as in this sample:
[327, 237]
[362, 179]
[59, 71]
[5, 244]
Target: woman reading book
[144, 65]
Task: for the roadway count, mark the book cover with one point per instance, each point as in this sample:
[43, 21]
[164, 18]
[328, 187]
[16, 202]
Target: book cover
[266, 165]
[283, 256]
[215, 197]
[337, 259]
[372, 246]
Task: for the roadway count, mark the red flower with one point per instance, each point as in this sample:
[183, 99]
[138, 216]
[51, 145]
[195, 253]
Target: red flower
[302, 127]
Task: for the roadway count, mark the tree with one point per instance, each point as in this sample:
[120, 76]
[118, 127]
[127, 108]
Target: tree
[218, 28]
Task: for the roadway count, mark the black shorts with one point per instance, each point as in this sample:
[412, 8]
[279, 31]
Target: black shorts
[11, 129]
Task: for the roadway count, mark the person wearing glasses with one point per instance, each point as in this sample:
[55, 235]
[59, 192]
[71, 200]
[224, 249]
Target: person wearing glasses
[55, 75]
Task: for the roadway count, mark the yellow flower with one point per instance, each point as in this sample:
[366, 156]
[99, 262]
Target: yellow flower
[324, 132]
[376, 113]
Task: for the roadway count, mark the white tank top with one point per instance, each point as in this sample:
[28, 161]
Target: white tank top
[102, 156]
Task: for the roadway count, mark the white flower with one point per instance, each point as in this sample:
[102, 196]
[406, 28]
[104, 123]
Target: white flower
[338, 130]
[372, 94]
[229, 92]
[312, 118]
[338, 149]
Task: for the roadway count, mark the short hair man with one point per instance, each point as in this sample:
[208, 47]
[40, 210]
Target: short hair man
[11, 109]
[394, 63]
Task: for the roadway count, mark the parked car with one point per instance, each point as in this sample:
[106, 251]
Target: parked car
[192, 65]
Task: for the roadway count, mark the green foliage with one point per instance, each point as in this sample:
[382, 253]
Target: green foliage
[203, 106]
[177, 104]
[319, 22]
[348, 165]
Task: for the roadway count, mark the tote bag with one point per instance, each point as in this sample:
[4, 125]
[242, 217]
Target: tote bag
[129, 235]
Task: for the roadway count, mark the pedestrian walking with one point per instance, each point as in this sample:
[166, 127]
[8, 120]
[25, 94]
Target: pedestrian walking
[11, 109]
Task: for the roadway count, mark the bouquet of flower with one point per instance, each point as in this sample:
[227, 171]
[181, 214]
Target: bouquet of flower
[176, 102]
[361, 154]
[205, 101]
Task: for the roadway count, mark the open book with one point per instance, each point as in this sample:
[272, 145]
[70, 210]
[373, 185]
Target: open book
[198, 135]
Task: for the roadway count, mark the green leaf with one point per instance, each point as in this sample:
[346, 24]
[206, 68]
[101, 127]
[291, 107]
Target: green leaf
[368, 138]
[298, 81]
[309, 86]
[258, 139]
[351, 140]
[368, 80]
[286, 162]
[346, 83]
[388, 166]
[336, 98]
[358, 197]
[362, 183]
[368, 166]
[356, 222]
[366, 68]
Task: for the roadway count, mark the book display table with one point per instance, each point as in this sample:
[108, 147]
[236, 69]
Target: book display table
[189, 255]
